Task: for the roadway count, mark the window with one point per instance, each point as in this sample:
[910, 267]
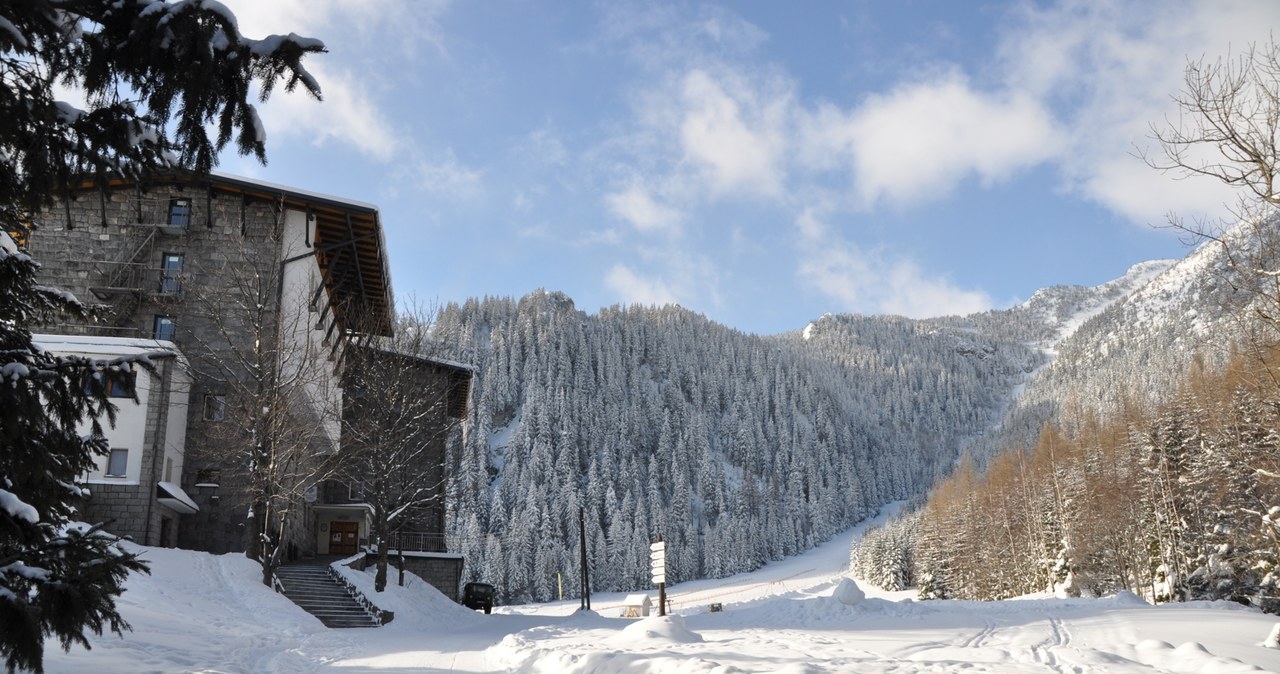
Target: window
[118, 463]
[116, 384]
[168, 469]
[208, 476]
[180, 212]
[122, 385]
[163, 328]
[171, 273]
[215, 407]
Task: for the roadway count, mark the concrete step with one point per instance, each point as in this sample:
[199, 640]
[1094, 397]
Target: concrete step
[321, 595]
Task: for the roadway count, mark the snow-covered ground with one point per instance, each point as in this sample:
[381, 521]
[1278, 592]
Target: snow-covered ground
[203, 613]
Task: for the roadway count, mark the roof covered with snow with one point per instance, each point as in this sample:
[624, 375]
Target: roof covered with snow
[107, 347]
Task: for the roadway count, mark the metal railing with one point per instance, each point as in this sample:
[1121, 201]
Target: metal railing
[416, 541]
[128, 271]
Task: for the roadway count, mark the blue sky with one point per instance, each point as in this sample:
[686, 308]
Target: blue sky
[762, 163]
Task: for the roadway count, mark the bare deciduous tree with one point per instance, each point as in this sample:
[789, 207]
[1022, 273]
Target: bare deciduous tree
[253, 345]
[1230, 107]
[397, 417]
[1228, 129]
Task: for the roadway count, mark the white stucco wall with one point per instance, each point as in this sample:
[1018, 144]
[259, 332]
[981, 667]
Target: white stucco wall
[306, 357]
[130, 428]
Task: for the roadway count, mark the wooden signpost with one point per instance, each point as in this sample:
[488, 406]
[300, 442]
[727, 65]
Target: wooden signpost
[658, 567]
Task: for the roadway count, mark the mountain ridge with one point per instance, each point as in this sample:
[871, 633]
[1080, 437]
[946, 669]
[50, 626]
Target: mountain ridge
[742, 448]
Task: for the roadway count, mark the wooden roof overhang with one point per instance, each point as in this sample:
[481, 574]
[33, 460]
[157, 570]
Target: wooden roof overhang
[349, 246]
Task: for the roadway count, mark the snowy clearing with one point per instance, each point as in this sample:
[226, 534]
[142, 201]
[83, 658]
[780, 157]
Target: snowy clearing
[205, 613]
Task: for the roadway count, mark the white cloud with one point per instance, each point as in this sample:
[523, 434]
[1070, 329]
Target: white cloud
[637, 207]
[1110, 68]
[447, 177]
[735, 138]
[348, 115]
[914, 294]
[634, 289]
[405, 25]
[869, 282]
[917, 142]
[1145, 196]
[660, 36]
[354, 85]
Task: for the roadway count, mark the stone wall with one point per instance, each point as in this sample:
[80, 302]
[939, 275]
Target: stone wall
[442, 571]
[230, 250]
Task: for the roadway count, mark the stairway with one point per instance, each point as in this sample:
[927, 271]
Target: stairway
[320, 594]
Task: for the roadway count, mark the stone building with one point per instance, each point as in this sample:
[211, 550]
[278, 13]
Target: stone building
[135, 489]
[398, 409]
[244, 278]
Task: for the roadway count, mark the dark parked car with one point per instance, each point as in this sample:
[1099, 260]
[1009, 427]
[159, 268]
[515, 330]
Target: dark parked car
[478, 596]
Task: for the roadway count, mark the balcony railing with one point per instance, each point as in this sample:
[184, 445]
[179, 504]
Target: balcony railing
[414, 541]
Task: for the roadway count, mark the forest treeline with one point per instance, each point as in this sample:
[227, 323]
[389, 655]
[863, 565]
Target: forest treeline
[1177, 502]
[737, 449]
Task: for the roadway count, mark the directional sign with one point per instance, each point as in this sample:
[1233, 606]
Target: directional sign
[658, 562]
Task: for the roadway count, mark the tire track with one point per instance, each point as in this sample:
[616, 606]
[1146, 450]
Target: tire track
[1047, 653]
[979, 640]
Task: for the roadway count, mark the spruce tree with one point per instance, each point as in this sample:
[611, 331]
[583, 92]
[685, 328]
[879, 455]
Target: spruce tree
[155, 77]
[57, 576]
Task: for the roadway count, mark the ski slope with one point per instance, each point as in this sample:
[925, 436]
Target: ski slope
[204, 613]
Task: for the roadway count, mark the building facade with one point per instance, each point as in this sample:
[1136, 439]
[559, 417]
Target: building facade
[135, 489]
[263, 288]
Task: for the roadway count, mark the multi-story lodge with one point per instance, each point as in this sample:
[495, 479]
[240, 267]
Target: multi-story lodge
[261, 291]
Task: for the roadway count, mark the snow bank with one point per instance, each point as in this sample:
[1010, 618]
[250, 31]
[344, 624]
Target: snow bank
[848, 593]
[207, 613]
[417, 605]
[1273, 639]
[668, 629]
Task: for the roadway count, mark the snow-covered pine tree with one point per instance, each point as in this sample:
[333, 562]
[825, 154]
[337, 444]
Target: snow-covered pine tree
[58, 576]
[187, 69]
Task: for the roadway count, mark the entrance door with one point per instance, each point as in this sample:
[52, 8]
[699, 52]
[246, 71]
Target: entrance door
[343, 537]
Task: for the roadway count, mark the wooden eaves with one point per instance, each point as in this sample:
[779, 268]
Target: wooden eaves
[349, 245]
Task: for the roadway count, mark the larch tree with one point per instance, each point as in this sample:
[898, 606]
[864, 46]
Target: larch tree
[156, 78]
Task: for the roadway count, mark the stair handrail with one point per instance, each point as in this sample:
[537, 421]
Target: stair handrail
[379, 615]
[126, 266]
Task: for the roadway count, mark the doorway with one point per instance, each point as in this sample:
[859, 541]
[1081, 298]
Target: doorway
[344, 538]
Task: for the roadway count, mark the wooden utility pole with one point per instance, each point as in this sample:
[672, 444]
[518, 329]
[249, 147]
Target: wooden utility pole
[585, 575]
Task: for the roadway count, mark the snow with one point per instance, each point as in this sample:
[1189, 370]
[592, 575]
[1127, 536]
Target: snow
[206, 613]
[107, 346]
[283, 189]
[16, 508]
[1098, 298]
[176, 493]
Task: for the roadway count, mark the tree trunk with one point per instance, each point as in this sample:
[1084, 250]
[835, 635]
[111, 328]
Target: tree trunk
[270, 551]
[384, 542]
[254, 524]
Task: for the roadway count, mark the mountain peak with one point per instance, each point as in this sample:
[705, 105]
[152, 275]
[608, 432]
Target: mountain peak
[1066, 307]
